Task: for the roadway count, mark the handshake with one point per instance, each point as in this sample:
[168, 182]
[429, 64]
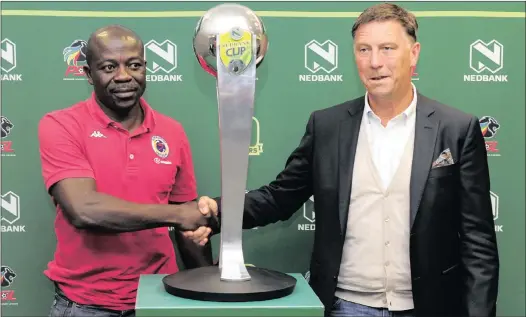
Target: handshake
[197, 225]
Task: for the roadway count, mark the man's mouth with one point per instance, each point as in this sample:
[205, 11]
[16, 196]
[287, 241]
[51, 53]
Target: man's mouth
[378, 78]
[124, 92]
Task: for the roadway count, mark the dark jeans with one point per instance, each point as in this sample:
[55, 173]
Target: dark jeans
[342, 308]
[64, 307]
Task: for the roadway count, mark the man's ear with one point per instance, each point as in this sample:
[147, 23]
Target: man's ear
[87, 71]
[415, 54]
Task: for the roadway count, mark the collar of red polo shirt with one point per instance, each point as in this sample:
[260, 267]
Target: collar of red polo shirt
[99, 115]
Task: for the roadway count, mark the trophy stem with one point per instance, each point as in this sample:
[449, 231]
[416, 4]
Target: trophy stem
[235, 93]
[232, 37]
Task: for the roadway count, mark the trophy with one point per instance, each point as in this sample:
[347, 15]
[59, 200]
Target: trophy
[230, 42]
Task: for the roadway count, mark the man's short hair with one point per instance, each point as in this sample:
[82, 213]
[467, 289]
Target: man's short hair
[387, 12]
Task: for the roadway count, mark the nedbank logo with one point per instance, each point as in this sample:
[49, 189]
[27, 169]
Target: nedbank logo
[321, 57]
[161, 57]
[10, 203]
[494, 205]
[10, 207]
[495, 210]
[256, 148]
[309, 214]
[486, 58]
[8, 55]
[8, 58]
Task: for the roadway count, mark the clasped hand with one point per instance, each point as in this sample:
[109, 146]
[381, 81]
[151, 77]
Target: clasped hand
[208, 207]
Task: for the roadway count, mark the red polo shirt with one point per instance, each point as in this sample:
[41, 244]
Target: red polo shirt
[152, 165]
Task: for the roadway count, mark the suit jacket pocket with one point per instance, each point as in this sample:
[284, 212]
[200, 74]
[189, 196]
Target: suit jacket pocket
[444, 171]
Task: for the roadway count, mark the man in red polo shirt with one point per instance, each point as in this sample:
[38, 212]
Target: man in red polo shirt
[119, 173]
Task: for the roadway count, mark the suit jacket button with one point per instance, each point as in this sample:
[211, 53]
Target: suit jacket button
[335, 277]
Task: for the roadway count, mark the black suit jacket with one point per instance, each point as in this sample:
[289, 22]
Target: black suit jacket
[453, 251]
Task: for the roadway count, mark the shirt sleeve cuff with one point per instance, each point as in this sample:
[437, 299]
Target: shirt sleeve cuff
[68, 174]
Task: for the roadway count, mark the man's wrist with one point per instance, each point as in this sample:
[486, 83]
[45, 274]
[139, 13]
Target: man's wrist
[179, 213]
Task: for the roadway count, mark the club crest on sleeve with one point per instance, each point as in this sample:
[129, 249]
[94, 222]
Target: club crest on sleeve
[160, 147]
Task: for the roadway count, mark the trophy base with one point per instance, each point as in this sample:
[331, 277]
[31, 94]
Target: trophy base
[205, 284]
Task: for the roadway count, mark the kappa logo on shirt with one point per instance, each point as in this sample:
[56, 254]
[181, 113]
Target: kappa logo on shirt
[97, 134]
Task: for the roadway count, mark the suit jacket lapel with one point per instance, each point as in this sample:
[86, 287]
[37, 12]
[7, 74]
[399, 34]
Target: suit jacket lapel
[348, 139]
[426, 128]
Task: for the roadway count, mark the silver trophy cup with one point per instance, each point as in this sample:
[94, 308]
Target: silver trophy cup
[230, 42]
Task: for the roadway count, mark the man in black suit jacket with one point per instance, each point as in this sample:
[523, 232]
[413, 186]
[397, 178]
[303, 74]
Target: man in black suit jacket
[401, 191]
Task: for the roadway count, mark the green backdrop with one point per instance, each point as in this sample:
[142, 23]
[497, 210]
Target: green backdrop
[472, 58]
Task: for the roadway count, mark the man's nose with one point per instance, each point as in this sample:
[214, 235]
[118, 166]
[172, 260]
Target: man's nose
[377, 60]
[122, 74]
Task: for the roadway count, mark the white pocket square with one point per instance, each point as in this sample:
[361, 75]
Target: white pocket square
[444, 159]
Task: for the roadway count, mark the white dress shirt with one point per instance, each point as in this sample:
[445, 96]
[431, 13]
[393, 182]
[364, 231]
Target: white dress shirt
[387, 143]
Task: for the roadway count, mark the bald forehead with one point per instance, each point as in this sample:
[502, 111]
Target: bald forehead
[102, 41]
[115, 30]
[115, 35]
[113, 39]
